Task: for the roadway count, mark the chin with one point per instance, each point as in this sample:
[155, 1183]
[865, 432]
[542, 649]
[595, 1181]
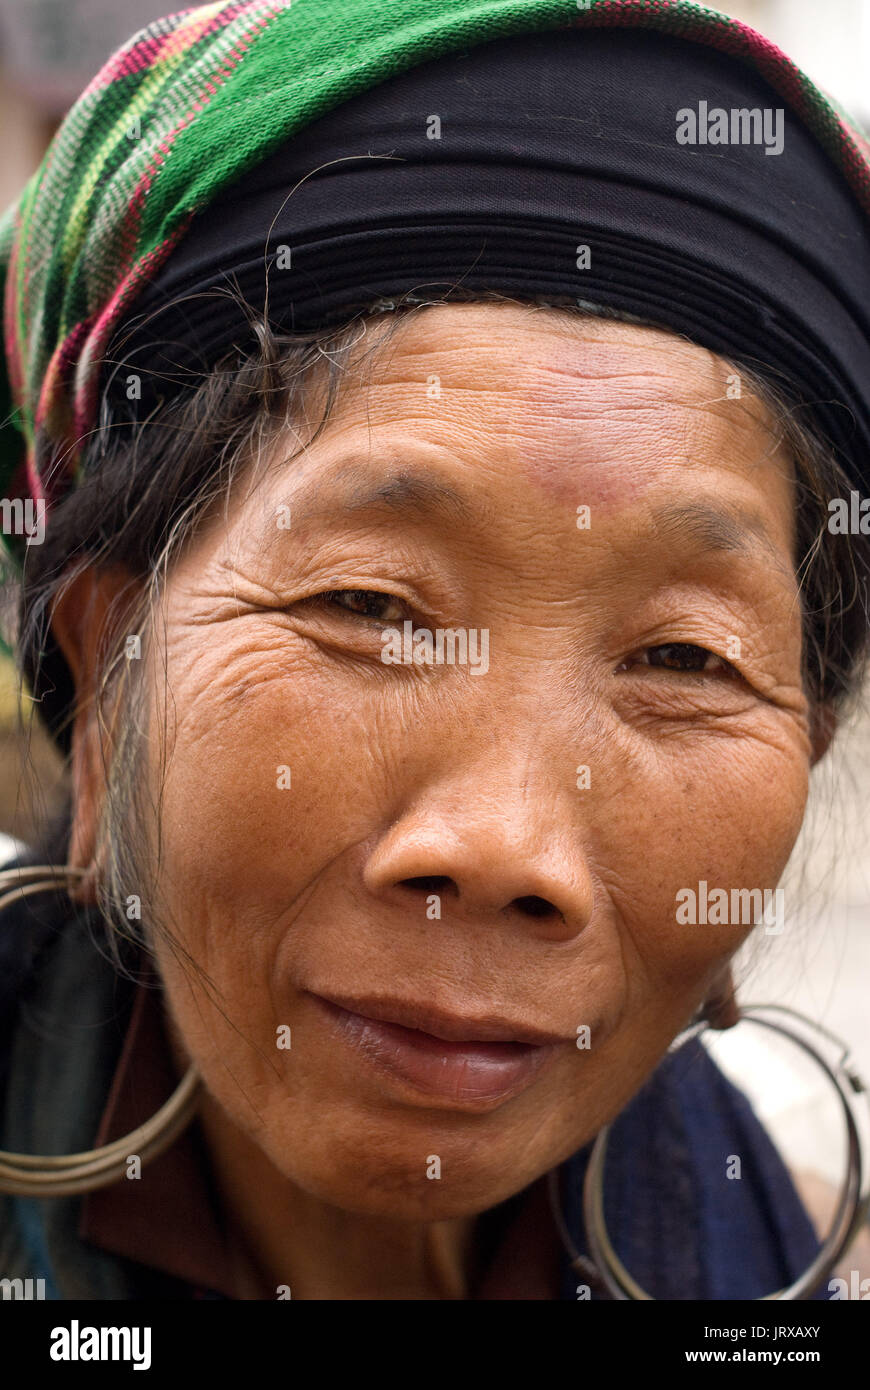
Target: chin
[388, 1174]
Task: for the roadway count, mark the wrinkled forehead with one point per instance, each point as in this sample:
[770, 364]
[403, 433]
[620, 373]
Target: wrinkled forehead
[574, 410]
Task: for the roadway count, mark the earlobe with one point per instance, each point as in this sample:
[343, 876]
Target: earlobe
[86, 804]
[721, 1010]
[81, 622]
[823, 726]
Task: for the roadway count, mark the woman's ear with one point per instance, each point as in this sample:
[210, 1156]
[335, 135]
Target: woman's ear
[823, 726]
[721, 1010]
[85, 618]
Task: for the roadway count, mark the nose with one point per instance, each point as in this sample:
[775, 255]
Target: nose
[491, 848]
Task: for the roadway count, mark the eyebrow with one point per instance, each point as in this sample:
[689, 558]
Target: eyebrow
[404, 491]
[716, 528]
[408, 492]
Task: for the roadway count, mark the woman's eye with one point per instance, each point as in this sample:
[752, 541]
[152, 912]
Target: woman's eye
[683, 656]
[366, 603]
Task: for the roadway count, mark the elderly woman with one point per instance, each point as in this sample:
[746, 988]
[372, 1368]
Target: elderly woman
[424, 424]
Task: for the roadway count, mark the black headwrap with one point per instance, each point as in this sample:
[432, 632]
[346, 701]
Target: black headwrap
[496, 167]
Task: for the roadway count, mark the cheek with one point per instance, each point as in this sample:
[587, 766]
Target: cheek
[728, 820]
[263, 792]
[265, 784]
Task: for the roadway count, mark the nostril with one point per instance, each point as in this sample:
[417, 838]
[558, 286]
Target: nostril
[536, 907]
[435, 883]
[442, 884]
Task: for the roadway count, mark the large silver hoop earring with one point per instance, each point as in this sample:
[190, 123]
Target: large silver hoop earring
[42, 1175]
[605, 1266]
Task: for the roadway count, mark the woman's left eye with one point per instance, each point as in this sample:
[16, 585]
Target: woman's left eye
[366, 603]
[682, 657]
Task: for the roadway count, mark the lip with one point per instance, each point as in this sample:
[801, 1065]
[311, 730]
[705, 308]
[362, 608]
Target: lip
[464, 1062]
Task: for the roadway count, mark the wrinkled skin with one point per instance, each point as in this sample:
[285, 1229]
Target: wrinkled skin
[402, 773]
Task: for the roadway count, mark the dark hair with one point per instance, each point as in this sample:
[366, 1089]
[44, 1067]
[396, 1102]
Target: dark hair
[146, 485]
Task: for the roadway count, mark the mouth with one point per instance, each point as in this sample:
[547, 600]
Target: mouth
[463, 1061]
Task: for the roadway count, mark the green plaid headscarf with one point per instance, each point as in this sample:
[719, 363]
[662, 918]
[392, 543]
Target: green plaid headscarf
[189, 104]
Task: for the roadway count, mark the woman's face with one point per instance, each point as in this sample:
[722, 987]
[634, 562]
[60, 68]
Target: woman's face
[347, 838]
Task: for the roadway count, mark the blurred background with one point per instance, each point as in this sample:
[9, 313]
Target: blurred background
[49, 51]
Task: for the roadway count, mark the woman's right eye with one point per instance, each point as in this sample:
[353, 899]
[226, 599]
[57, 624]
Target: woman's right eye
[366, 603]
